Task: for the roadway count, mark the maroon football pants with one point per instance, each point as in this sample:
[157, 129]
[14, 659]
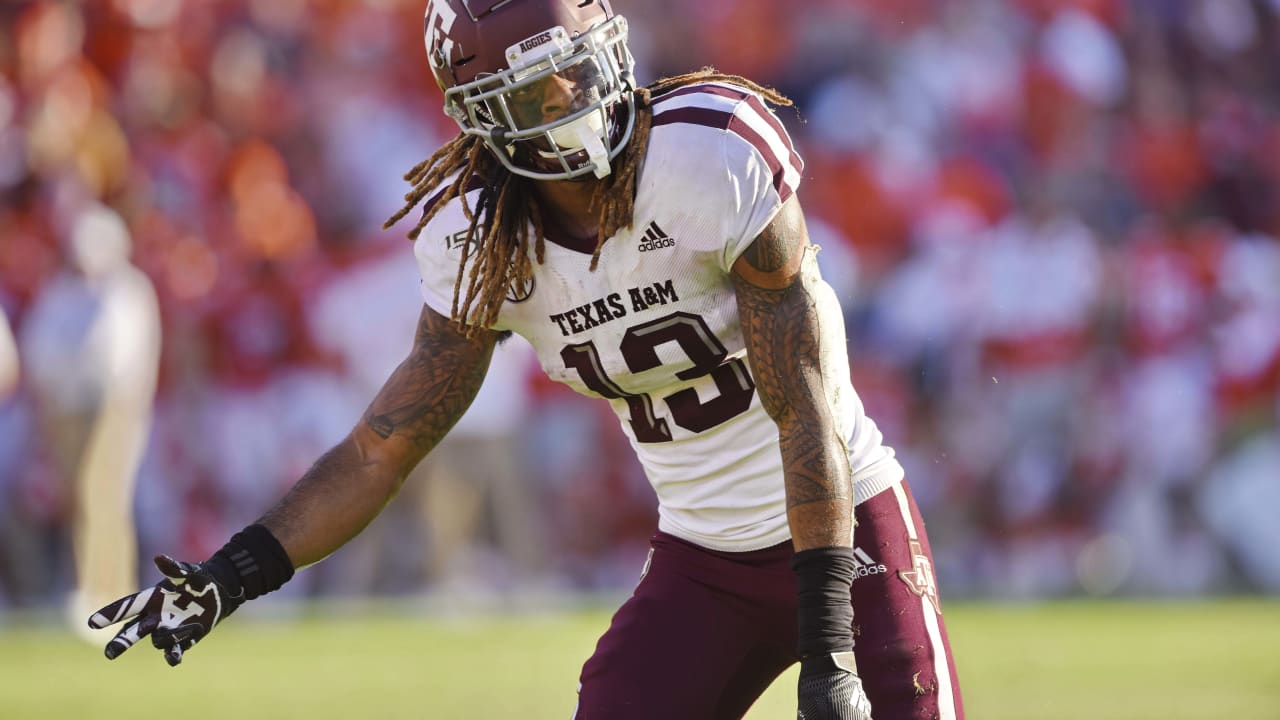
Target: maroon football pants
[706, 632]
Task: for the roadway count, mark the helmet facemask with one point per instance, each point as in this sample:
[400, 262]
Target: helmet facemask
[563, 108]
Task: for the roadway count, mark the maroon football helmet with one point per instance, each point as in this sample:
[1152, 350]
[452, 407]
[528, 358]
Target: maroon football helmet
[546, 83]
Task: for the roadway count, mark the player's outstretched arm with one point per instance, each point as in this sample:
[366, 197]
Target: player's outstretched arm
[349, 485]
[341, 493]
[792, 325]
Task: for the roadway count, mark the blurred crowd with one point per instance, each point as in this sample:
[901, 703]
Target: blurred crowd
[1053, 225]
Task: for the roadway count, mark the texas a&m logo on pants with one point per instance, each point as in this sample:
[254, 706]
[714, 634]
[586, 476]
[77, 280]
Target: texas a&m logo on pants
[919, 578]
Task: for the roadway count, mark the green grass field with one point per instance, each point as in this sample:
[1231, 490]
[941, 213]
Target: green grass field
[1101, 661]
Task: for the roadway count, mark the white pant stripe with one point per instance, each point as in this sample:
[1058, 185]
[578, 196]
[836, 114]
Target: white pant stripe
[941, 670]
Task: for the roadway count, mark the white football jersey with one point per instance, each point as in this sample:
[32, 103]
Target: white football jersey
[655, 329]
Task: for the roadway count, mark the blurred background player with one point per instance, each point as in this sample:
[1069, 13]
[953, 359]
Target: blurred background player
[91, 345]
[8, 359]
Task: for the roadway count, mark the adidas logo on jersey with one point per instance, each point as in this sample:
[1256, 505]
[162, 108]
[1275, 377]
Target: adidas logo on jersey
[863, 565]
[655, 238]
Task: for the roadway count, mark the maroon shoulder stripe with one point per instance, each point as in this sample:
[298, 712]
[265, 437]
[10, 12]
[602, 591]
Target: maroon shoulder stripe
[721, 120]
[753, 101]
[756, 104]
[706, 89]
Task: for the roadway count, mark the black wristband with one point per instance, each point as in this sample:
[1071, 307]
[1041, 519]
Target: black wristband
[252, 562]
[825, 611]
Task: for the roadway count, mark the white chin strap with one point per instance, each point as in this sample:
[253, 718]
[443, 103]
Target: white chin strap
[585, 133]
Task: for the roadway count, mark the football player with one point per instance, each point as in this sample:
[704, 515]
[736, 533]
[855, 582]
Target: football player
[649, 243]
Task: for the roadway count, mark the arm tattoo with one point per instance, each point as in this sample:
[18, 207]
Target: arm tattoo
[769, 256]
[781, 324]
[431, 389]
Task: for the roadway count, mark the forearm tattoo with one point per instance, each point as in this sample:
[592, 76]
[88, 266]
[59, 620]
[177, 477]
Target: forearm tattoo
[781, 328]
[318, 515]
[782, 342]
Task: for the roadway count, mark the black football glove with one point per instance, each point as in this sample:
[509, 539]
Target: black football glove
[177, 612]
[830, 689]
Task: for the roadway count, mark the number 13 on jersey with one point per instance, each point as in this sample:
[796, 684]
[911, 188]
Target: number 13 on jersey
[640, 350]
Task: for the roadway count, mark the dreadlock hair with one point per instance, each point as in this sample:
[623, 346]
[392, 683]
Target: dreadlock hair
[499, 229]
